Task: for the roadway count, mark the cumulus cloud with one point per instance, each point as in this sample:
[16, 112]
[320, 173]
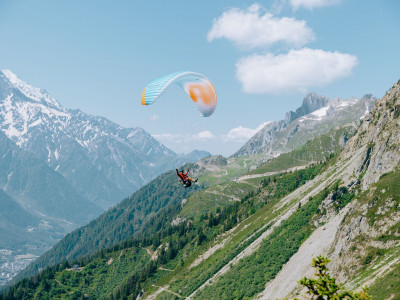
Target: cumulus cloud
[242, 134]
[204, 135]
[310, 4]
[295, 71]
[255, 28]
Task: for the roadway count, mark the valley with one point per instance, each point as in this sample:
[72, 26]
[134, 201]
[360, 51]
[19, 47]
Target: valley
[250, 230]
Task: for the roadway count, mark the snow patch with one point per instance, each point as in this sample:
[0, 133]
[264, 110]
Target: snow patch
[343, 104]
[20, 116]
[49, 154]
[30, 91]
[366, 111]
[56, 155]
[320, 113]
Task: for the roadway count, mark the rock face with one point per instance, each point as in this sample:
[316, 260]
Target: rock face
[311, 102]
[363, 243]
[378, 138]
[316, 116]
[375, 150]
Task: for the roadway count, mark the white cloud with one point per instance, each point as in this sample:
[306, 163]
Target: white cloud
[252, 28]
[204, 135]
[295, 71]
[242, 134]
[310, 4]
[154, 117]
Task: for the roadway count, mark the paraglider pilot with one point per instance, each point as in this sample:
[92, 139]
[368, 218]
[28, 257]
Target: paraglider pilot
[185, 179]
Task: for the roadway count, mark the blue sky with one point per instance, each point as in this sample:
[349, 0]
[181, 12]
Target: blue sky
[263, 58]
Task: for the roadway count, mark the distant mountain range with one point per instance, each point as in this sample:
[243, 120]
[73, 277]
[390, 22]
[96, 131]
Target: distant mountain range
[102, 161]
[317, 115]
[60, 168]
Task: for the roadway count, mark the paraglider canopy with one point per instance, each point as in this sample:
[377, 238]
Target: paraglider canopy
[197, 86]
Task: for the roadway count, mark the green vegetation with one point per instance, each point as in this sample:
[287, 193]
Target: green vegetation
[325, 286]
[258, 206]
[125, 269]
[385, 197]
[117, 224]
[98, 277]
[387, 287]
[219, 195]
[234, 168]
[224, 194]
[250, 275]
[340, 196]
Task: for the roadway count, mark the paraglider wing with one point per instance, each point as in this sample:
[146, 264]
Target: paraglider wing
[197, 86]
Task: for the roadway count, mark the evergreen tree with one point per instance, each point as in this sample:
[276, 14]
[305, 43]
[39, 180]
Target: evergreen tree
[325, 286]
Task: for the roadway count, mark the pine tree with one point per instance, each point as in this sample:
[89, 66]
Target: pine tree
[325, 286]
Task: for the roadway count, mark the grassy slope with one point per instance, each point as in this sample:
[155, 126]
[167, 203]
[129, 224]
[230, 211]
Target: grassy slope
[218, 195]
[234, 168]
[387, 286]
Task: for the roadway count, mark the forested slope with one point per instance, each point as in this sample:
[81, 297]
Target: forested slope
[161, 248]
[116, 224]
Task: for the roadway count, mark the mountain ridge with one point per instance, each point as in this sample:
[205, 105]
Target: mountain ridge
[318, 114]
[101, 159]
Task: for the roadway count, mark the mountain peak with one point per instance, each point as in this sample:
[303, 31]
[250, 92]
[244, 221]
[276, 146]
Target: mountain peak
[34, 93]
[313, 99]
[311, 102]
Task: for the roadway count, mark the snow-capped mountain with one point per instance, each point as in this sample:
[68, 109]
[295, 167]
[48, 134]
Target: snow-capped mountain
[317, 115]
[60, 168]
[100, 159]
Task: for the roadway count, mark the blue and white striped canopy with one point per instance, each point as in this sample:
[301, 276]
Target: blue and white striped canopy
[197, 86]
